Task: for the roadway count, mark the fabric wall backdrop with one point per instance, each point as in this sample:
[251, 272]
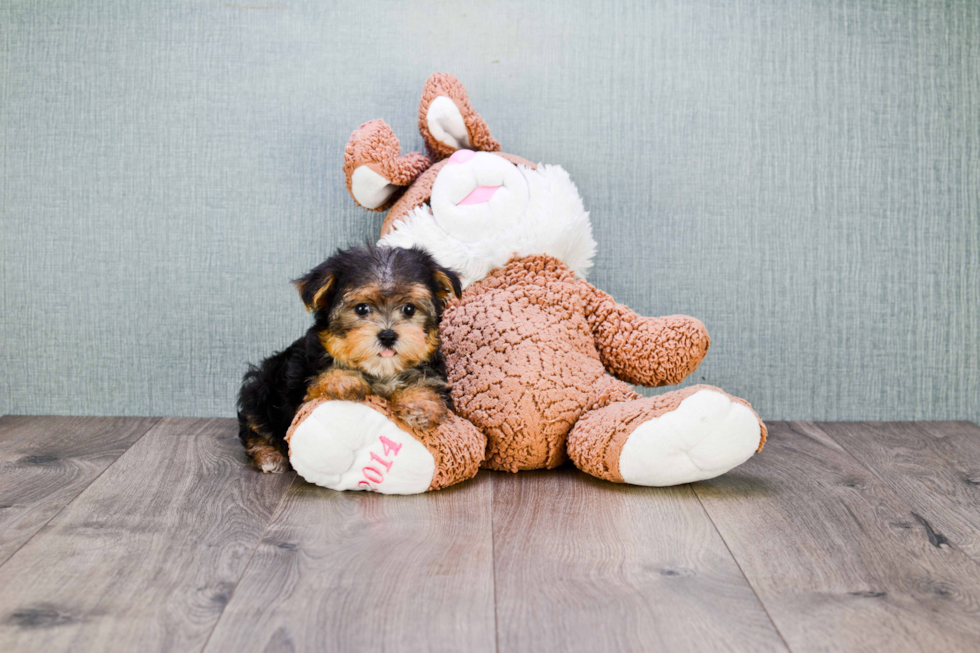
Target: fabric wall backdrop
[803, 176]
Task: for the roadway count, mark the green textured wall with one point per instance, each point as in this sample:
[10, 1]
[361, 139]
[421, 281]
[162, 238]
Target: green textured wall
[803, 176]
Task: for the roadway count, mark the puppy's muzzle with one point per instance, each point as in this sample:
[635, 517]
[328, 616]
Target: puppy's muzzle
[387, 338]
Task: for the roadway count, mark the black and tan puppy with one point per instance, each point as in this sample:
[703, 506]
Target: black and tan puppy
[376, 317]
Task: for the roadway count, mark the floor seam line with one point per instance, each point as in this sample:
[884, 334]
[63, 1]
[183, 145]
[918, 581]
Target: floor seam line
[900, 495]
[258, 543]
[156, 420]
[493, 560]
[741, 571]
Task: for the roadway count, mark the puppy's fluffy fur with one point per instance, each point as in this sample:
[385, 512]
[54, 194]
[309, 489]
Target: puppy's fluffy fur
[376, 331]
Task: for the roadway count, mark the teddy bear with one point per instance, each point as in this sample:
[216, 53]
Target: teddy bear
[541, 363]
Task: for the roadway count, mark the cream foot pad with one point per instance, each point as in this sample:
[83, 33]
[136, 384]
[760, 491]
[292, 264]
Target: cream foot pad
[345, 445]
[707, 435]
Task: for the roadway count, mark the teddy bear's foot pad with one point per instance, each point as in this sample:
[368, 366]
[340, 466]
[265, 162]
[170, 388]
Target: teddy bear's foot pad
[705, 436]
[344, 445]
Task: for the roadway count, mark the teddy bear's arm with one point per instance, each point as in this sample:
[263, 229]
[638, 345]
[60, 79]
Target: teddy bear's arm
[648, 351]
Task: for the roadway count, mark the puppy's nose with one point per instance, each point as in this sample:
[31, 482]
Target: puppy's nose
[387, 337]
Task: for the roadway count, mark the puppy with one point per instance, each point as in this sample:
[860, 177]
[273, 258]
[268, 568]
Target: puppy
[376, 317]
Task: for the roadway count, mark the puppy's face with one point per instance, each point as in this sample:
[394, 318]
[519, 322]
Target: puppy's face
[383, 330]
[378, 310]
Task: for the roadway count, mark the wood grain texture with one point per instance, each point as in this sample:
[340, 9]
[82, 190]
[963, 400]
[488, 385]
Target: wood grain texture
[360, 572]
[837, 537]
[585, 565]
[934, 466]
[147, 556]
[840, 561]
[45, 462]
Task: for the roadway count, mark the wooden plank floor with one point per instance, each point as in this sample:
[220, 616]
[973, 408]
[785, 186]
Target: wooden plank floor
[122, 534]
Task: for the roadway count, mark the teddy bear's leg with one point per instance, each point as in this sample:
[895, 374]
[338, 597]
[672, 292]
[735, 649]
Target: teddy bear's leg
[346, 445]
[678, 437]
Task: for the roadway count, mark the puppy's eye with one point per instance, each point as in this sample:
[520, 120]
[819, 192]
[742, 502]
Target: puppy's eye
[408, 310]
[362, 309]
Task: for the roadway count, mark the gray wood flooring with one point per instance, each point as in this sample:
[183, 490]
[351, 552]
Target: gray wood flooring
[129, 534]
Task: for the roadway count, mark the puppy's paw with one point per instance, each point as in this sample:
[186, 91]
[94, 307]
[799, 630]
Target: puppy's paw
[266, 457]
[340, 385]
[419, 408]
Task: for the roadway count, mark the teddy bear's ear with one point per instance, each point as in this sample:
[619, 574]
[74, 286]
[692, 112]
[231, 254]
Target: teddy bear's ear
[375, 168]
[447, 120]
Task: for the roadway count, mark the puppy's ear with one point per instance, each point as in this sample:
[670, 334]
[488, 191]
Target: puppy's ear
[448, 283]
[317, 286]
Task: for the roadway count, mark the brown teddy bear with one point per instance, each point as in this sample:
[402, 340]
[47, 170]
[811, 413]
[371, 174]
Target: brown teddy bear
[540, 361]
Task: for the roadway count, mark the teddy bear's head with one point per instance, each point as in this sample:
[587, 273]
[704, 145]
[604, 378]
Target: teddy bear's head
[472, 206]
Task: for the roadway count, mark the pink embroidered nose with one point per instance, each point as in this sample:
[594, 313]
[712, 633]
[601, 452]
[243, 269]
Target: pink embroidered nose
[480, 195]
[462, 156]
